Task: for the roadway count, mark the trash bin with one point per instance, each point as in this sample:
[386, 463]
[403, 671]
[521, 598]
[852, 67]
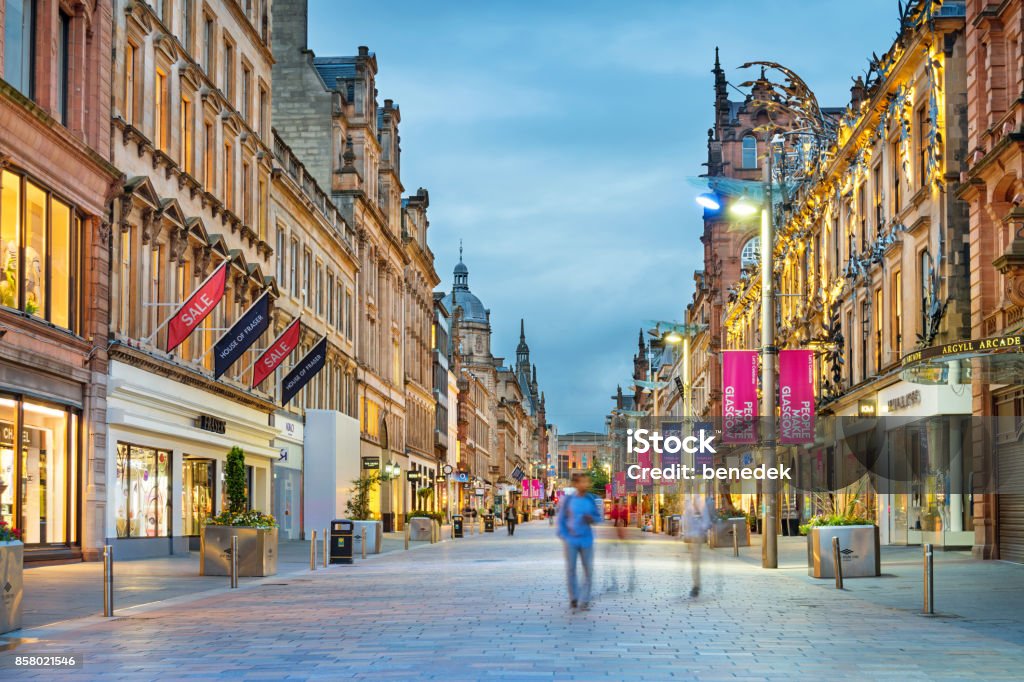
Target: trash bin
[488, 523]
[341, 541]
[457, 525]
[674, 522]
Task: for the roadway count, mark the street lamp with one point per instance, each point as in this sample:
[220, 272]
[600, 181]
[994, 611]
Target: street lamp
[709, 201]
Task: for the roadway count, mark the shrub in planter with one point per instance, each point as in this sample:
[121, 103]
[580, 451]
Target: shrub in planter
[437, 516]
[834, 520]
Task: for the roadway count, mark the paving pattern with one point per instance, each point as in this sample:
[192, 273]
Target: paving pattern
[494, 607]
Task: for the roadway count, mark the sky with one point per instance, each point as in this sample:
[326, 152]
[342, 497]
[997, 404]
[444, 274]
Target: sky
[558, 141]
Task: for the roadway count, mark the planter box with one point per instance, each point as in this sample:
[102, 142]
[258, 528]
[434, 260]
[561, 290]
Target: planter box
[722, 532]
[372, 532]
[858, 546]
[420, 528]
[257, 551]
[12, 561]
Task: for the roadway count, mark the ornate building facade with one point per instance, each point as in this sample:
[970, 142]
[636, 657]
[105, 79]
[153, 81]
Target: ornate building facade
[56, 184]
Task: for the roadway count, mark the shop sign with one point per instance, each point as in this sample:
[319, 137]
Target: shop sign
[371, 462]
[1013, 342]
[282, 455]
[413, 475]
[479, 492]
[461, 477]
[211, 424]
[904, 401]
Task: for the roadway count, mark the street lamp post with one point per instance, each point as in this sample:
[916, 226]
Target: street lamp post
[769, 360]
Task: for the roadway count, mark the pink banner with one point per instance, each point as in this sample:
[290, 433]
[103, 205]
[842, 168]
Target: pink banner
[739, 391]
[538, 488]
[607, 491]
[644, 460]
[526, 487]
[796, 396]
[619, 484]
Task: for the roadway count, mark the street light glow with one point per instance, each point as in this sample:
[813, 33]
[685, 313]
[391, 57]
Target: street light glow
[673, 337]
[743, 207]
[709, 201]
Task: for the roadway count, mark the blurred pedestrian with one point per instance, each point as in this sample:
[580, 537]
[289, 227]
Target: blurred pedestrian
[510, 520]
[696, 524]
[551, 515]
[576, 516]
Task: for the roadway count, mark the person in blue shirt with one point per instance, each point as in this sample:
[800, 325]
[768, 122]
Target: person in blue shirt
[576, 516]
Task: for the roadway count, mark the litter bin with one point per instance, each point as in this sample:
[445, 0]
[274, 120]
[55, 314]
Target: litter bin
[674, 522]
[457, 525]
[341, 541]
[488, 523]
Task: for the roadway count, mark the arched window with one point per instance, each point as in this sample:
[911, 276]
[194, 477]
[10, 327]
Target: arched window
[749, 151]
[751, 253]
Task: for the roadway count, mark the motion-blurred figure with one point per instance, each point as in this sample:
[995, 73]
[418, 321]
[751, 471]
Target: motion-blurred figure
[576, 516]
[510, 520]
[696, 523]
[621, 548]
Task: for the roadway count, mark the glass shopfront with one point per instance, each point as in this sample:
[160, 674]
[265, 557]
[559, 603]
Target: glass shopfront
[198, 478]
[143, 491]
[39, 476]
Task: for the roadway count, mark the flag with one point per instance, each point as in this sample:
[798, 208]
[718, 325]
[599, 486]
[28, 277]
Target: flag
[276, 353]
[517, 473]
[242, 334]
[305, 370]
[196, 307]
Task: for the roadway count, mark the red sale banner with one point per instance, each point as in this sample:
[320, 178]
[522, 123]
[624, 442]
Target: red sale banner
[276, 353]
[195, 309]
[739, 396]
[796, 396]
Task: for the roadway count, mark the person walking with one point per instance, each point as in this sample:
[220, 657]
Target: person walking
[576, 516]
[510, 520]
[696, 523]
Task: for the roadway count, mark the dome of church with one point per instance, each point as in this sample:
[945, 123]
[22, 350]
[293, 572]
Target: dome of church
[472, 309]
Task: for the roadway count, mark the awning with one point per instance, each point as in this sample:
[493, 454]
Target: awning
[994, 360]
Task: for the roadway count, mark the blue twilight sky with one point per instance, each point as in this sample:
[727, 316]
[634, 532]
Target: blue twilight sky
[556, 139]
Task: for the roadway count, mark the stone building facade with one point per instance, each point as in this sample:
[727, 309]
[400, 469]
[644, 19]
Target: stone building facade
[56, 185]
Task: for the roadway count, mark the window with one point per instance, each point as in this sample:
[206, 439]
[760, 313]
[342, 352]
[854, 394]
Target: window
[131, 93]
[246, 93]
[879, 357]
[307, 273]
[897, 314]
[40, 252]
[897, 171]
[862, 215]
[330, 299]
[876, 186]
[924, 274]
[293, 265]
[264, 129]
[228, 186]
[246, 194]
[186, 24]
[228, 81]
[348, 314]
[44, 503]
[922, 148]
[209, 36]
[62, 65]
[162, 114]
[127, 284]
[210, 154]
[19, 45]
[751, 253]
[154, 289]
[749, 159]
[280, 257]
[319, 288]
[865, 318]
[261, 209]
[142, 491]
[185, 135]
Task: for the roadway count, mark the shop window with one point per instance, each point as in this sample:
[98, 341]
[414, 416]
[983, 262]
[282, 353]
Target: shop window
[39, 257]
[142, 491]
[198, 477]
[42, 504]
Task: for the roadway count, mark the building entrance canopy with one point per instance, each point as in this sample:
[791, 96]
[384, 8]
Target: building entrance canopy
[995, 360]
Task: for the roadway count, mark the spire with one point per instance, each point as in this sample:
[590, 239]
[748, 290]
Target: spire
[642, 346]
[522, 350]
[721, 98]
[460, 250]
[460, 275]
[522, 330]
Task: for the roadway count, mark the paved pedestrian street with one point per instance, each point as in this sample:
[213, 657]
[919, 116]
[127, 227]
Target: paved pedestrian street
[494, 607]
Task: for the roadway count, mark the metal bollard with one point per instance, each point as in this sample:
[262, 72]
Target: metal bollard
[407, 535]
[837, 563]
[735, 541]
[326, 547]
[929, 580]
[312, 552]
[234, 561]
[108, 581]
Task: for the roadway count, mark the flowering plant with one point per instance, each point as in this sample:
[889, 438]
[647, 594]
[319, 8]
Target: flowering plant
[9, 533]
[249, 519]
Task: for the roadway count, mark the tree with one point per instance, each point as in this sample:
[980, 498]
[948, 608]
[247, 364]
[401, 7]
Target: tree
[598, 479]
[234, 481]
[358, 506]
